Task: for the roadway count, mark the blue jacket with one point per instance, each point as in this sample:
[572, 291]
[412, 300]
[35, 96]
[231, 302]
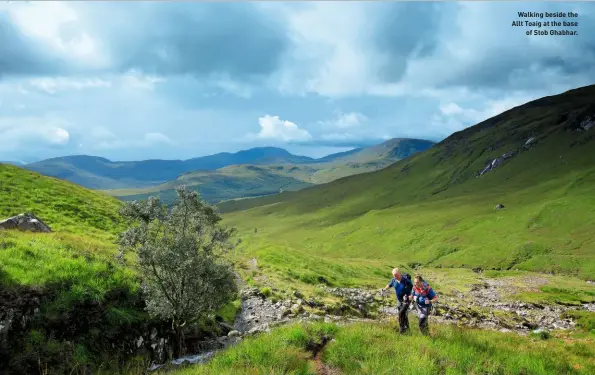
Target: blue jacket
[402, 288]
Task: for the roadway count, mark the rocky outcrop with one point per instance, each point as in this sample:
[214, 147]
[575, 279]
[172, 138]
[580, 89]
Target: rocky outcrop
[25, 222]
[258, 312]
[492, 164]
[579, 121]
[496, 162]
[587, 123]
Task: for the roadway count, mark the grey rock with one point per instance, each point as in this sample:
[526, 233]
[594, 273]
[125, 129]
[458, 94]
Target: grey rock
[492, 164]
[297, 294]
[588, 123]
[25, 222]
[233, 333]
[529, 142]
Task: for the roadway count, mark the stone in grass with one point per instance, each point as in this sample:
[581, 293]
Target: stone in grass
[25, 222]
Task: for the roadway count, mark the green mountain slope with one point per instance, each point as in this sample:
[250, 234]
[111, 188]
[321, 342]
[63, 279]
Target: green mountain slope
[65, 207]
[99, 173]
[432, 208]
[84, 226]
[243, 181]
[64, 275]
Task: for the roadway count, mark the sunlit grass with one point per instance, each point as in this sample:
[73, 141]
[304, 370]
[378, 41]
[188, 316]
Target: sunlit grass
[378, 349]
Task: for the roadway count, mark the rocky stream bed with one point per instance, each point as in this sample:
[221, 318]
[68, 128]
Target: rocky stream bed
[481, 307]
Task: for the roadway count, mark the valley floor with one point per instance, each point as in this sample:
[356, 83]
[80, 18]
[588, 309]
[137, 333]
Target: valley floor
[354, 330]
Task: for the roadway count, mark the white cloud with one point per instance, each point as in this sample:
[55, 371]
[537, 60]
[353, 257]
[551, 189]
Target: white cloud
[228, 85]
[338, 137]
[46, 22]
[327, 56]
[56, 136]
[98, 133]
[272, 127]
[157, 138]
[345, 120]
[30, 132]
[53, 85]
[135, 79]
[454, 117]
[450, 109]
[111, 142]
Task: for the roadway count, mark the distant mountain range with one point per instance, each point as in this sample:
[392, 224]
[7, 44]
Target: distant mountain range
[100, 173]
[249, 180]
[257, 171]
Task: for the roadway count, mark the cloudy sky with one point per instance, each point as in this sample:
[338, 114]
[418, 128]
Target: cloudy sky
[176, 80]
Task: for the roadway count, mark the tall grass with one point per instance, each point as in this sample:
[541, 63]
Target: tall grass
[378, 349]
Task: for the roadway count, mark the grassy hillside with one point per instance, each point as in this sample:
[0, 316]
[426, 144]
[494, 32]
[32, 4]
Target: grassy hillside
[242, 181]
[376, 349]
[65, 274]
[65, 207]
[79, 250]
[433, 209]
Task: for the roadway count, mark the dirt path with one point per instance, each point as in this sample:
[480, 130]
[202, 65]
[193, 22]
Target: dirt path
[317, 349]
[323, 369]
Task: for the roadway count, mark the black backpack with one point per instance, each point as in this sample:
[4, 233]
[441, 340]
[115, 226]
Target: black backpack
[409, 282]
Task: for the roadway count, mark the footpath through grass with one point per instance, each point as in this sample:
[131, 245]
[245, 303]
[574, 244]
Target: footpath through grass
[378, 349]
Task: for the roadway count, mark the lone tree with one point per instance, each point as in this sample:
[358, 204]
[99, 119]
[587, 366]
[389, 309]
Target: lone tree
[179, 255]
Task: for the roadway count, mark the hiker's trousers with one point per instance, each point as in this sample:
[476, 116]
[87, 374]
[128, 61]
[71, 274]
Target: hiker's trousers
[423, 312]
[403, 308]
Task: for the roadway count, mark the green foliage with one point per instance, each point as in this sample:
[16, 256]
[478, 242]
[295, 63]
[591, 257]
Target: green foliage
[566, 291]
[585, 320]
[179, 257]
[541, 334]
[229, 312]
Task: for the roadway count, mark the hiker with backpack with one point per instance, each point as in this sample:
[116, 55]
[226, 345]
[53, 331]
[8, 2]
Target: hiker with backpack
[403, 286]
[423, 296]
